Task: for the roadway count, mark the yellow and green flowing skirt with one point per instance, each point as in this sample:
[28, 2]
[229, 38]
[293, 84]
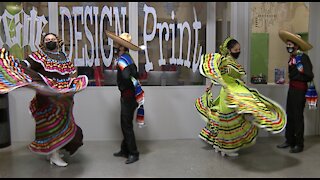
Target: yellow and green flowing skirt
[226, 130]
[233, 118]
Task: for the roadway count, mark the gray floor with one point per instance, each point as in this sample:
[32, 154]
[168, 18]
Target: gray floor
[167, 158]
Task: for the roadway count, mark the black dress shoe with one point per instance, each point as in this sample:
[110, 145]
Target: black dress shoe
[284, 145]
[132, 159]
[120, 154]
[296, 149]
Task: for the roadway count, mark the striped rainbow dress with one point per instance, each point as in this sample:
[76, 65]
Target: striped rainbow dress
[53, 115]
[229, 128]
[55, 127]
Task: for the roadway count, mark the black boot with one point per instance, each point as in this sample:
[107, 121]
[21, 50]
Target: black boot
[296, 149]
[132, 159]
[284, 145]
[120, 154]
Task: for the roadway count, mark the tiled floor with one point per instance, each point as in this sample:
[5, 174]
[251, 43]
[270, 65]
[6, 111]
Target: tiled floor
[167, 158]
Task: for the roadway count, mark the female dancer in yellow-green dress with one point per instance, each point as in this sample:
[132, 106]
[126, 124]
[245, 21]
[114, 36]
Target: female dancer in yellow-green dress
[233, 118]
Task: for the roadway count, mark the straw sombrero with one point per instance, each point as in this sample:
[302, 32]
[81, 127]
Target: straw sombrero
[288, 36]
[123, 39]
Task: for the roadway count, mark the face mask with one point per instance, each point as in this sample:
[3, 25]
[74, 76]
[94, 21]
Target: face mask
[235, 55]
[290, 49]
[51, 45]
[115, 50]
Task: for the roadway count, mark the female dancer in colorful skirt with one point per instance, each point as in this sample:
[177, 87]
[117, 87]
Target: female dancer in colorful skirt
[233, 118]
[51, 74]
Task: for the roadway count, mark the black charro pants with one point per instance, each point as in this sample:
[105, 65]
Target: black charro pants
[128, 145]
[295, 120]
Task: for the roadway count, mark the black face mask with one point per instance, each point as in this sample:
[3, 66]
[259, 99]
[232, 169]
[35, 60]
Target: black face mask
[51, 45]
[235, 55]
[290, 49]
[115, 50]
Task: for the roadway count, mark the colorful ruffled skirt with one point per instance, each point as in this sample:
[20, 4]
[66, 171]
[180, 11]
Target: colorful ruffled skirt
[226, 130]
[234, 117]
[51, 108]
[55, 126]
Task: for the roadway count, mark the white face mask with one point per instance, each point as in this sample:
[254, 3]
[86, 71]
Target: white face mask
[290, 49]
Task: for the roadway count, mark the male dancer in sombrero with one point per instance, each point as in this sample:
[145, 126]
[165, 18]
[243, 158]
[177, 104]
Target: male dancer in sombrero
[300, 73]
[132, 96]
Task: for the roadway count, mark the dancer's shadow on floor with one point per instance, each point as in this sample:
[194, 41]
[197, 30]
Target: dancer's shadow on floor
[144, 147]
[264, 158]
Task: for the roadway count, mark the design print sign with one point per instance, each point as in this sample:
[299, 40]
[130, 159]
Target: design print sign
[181, 26]
[29, 29]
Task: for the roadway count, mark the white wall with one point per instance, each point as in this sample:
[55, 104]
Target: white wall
[314, 53]
[169, 112]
